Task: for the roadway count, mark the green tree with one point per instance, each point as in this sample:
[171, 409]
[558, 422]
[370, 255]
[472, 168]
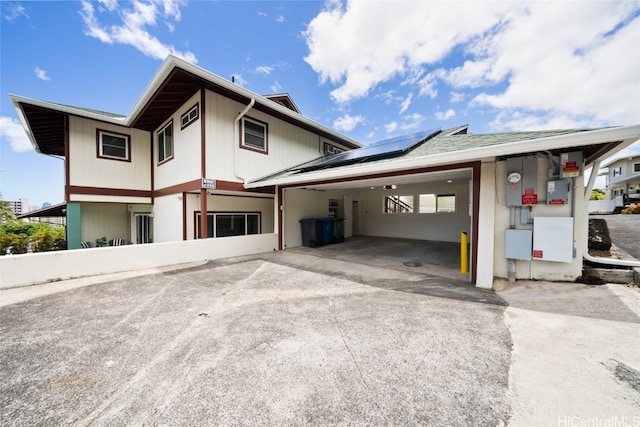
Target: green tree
[6, 213]
[597, 194]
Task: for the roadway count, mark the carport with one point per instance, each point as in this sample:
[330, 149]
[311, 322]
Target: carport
[426, 210]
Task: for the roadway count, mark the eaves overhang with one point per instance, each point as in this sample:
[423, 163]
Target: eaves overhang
[605, 141]
[44, 122]
[177, 80]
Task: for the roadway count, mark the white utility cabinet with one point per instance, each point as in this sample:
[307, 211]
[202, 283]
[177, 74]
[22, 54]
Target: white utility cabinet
[553, 239]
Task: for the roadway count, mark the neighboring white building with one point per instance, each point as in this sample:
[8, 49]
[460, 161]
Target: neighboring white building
[196, 143]
[623, 180]
[18, 207]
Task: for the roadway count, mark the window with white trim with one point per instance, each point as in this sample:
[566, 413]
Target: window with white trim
[397, 204]
[189, 117]
[331, 149]
[432, 203]
[112, 145]
[224, 224]
[254, 135]
[165, 143]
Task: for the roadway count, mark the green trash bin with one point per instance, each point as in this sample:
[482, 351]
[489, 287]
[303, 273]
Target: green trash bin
[337, 235]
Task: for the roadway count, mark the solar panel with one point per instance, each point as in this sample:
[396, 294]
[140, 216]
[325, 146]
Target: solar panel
[385, 148]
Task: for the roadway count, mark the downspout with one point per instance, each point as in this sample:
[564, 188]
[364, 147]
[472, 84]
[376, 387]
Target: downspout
[586, 256]
[236, 141]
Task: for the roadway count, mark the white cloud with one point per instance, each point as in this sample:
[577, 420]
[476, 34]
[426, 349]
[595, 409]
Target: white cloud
[347, 123]
[412, 121]
[404, 105]
[275, 87]
[261, 13]
[552, 63]
[41, 74]
[280, 19]
[11, 11]
[445, 115]
[456, 97]
[136, 22]
[263, 69]
[391, 127]
[12, 130]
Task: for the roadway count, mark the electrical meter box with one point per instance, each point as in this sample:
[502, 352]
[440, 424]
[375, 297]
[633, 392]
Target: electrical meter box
[558, 192]
[522, 181]
[571, 164]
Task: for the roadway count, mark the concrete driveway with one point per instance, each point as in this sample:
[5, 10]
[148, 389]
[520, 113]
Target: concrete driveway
[295, 339]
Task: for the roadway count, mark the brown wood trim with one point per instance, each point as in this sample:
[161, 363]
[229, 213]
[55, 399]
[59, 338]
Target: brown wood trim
[266, 136]
[152, 167]
[184, 216]
[102, 156]
[196, 184]
[475, 209]
[203, 208]
[230, 186]
[101, 191]
[415, 171]
[203, 137]
[67, 153]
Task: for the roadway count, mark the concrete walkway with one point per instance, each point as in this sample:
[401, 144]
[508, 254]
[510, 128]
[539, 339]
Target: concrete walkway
[291, 338]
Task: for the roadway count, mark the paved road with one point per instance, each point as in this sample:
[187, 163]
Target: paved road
[625, 232]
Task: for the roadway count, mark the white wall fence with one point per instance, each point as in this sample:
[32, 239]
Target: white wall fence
[601, 206]
[30, 269]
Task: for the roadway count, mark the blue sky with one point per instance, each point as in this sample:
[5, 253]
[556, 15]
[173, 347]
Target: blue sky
[369, 69]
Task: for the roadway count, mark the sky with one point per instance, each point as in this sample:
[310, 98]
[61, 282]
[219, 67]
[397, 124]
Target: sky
[368, 69]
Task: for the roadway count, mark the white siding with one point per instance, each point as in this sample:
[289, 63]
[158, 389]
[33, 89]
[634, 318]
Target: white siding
[109, 220]
[288, 145]
[185, 165]
[167, 218]
[86, 169]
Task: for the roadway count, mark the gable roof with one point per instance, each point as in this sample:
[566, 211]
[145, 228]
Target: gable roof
[173, 84]
[455, 146]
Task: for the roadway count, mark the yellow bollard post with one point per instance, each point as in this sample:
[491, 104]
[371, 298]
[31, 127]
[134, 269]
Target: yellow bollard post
[464, 255]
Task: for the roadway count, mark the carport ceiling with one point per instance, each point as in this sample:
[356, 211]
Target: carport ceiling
[440, 177]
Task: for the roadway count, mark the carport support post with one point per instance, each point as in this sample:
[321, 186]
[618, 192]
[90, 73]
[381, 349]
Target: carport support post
[74, 225]
[486, 226]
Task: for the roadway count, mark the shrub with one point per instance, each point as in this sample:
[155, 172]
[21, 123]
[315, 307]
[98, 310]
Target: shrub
[633, 209]
[16, 236]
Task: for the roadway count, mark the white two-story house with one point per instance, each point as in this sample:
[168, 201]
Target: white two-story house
[623, 180]
[174, 168]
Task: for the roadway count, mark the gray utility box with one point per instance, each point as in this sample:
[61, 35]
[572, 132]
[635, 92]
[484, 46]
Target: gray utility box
[518, 244]
[522, 191]
[558, 192]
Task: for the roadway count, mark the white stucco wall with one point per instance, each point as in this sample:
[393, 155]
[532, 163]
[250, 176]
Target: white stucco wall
[167, 219]
[536, 269]
[20, 270]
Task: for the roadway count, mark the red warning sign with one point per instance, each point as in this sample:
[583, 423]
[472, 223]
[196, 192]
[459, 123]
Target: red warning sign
[537, 253]
[570, 169]
[529, 197]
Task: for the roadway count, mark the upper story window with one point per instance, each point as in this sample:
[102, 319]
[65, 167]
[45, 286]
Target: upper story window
[189, 117]
[254, 135]
[636, 167]
[112, 145]
[617, 171]
[331, 149]
[165, 143]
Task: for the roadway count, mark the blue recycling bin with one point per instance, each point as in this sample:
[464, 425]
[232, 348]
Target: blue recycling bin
[327, 229]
